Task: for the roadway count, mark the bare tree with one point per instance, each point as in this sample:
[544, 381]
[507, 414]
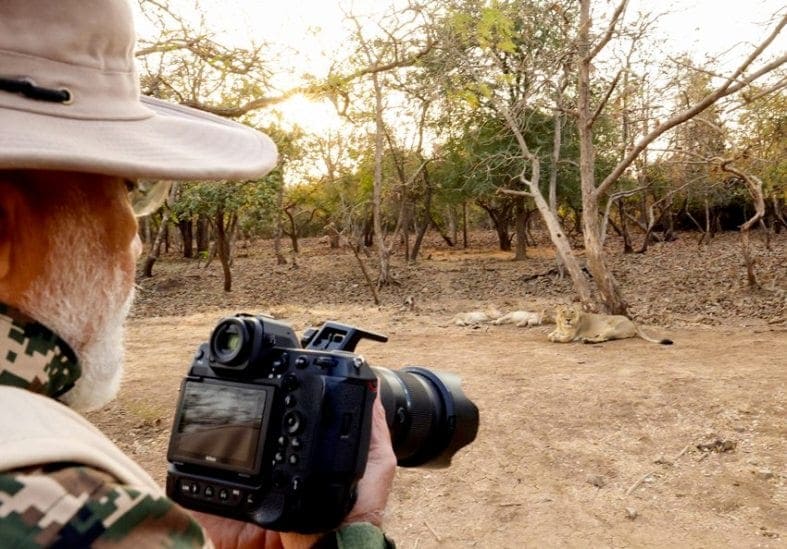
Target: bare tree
[401, 35]
[754, 186]
[587, 115]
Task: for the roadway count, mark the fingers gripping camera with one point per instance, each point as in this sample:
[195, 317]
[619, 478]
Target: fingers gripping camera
[269, 432]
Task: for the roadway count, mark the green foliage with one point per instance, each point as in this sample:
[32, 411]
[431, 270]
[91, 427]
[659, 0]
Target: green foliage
[496, 29]
[489, 57]
[253, 201]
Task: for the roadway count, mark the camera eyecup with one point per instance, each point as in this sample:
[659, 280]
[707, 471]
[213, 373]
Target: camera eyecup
[229, 342]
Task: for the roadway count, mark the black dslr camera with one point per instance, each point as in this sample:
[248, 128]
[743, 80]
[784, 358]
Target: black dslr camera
[273, 431]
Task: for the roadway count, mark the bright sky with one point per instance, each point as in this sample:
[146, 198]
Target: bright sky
[714, 26]
[315, 31]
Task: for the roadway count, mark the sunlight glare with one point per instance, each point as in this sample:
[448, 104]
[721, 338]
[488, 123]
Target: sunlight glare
[314, 117]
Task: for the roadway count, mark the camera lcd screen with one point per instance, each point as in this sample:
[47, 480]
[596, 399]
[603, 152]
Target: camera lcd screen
[220, 425]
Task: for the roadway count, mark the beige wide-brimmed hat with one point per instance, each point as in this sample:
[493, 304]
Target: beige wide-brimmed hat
[70, 100]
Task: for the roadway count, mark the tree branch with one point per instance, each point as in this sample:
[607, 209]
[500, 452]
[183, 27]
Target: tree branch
[610, 29]
[727, 88]
[603, 102]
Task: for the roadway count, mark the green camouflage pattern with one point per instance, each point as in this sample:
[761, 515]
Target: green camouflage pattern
[66, 506]
[32, 357]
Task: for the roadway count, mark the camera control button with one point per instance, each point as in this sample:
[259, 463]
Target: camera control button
[208, 491]
[278, 457]
[289, 401]
[224, 494]
[293, 422]
[296, 483]
[325, 362]
[194, 488]
[301, 362]
[290, 382]
[280, 364]
[282, 441]
[293, 459]
[295, 443]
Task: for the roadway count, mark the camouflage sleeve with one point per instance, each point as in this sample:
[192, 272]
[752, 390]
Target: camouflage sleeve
[66, 505]
[357, 535]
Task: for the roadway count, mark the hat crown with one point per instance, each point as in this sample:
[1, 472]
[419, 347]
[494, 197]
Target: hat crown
[89, 33]
[80, 50]
[70, 100]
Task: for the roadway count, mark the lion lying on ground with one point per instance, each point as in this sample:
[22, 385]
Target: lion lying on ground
[521, 319]
[474, 318]
[574, 324]
[471, 318]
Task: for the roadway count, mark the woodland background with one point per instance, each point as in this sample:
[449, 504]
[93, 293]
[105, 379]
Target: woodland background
[517, 155]
[504, 115]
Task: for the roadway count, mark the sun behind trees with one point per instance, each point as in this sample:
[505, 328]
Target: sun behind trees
[466, 114]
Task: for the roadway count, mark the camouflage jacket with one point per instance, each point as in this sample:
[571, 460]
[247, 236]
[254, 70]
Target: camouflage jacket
[62, 490]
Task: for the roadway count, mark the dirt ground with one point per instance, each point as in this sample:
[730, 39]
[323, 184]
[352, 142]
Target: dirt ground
[622, 444]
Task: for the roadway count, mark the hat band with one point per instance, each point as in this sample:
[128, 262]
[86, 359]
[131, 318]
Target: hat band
[31, 91]
[94, 94]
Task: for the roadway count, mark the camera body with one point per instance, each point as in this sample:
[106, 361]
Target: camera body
[269, 432]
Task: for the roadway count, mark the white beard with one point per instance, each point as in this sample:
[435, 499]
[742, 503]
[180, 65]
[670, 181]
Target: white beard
[84, 298]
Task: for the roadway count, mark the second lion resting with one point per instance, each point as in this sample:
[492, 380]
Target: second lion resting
[574, 324]
[521, 319]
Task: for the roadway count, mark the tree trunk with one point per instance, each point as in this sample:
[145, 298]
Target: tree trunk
[406, 222]
[334, 236]
[372, 287]
[559, 240]
[452, 228]
[440, 230]
[779, 222]
[754, 186]
[166, 238]
[520, 222]
[500, 218]
[223, 248]
[464, 225]
[556, 144]
[611, 296]
[146, 232]
[155, 248]
[203, 234]
[280, 259]
[624, 231]
[293, 232]
[186, 227]
[503, 238]
[377, 193]
[368, 232]
[427, 220]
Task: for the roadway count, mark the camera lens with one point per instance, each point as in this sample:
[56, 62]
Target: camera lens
[228, 341]
[428, 415]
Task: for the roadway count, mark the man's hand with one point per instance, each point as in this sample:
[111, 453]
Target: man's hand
[373, 490]
[377, 480]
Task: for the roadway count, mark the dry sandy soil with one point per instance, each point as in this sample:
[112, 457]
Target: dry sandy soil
[622, 444]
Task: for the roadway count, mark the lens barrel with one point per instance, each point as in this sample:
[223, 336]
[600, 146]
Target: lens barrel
[429, 416]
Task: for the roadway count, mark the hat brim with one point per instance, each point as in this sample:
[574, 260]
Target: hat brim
[175, 142]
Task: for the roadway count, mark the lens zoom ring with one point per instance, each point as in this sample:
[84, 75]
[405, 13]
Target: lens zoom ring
[422, 410]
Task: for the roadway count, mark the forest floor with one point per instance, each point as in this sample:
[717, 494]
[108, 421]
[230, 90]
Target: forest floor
[621, 444]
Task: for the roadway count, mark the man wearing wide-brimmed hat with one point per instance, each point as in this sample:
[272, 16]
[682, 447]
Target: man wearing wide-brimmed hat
[74, 137]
